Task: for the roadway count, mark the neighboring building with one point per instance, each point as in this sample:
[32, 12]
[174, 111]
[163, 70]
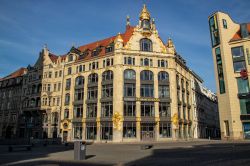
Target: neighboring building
[10, 103]
[206, 122]
[129, 87]
[230, 47]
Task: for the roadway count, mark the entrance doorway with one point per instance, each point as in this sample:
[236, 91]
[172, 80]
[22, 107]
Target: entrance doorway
[147, 131]
[65, 136]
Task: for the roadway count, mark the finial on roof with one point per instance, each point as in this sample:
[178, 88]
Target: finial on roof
[119, 37]
[45, 46]
[145, 15]
[127, 20]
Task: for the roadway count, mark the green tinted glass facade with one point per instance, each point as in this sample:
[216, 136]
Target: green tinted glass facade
[214, 32]
[243, 86]
[220, 70]
[245, 106]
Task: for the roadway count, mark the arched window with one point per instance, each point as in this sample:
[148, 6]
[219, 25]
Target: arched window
[79, 81]
[129, 74]
[93, 78]
[147, 75]
[146, 44]
[107, 75]
[163, 76]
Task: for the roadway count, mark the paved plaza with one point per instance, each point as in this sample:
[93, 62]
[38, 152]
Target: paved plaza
[171, 153]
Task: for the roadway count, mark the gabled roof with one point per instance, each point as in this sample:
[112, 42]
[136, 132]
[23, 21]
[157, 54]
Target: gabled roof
[237, 35]
[101, 44]
[21, 71]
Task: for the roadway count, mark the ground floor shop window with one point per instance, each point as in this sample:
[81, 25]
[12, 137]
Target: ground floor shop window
[180, 132]
[165, 130]
[129, 129]
[91, 131]
[106, 130]
[77, 130]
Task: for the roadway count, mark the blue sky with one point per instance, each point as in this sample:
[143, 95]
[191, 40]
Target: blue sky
[25, 26]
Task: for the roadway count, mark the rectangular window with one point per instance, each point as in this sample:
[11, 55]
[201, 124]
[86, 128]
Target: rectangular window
[220, 70]
[107, 109]
[69, 70]
[214, 31]
[147, 90]
[78, 111]
[91, 131]
[129, 90]
[54, 87]
[224, 23]
[79, 94]
[68, 83]
[48, 86]
[164, 109]
[56, 74]
[147, 109]
[91, 110]
[106, 130]
[92, 93]
[129, 108]
[107, 90]
[163, 91]
[243, 85]
[129, 129]
[238, 58]
[245, 106]
[60, 73]
[165, 130]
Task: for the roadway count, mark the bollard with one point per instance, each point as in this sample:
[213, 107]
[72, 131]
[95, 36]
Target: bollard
[79, 150]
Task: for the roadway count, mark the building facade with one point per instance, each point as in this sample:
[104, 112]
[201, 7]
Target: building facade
[230, 48]
[125, 88]
[10, 103]
[206, 122]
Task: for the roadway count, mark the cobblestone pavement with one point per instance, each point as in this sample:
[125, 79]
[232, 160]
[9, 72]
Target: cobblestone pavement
[168, 153]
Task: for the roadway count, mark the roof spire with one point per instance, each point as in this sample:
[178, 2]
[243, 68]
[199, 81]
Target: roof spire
[145, 15]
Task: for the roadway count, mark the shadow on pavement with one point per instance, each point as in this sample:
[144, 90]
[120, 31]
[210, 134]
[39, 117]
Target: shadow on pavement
[199, 155]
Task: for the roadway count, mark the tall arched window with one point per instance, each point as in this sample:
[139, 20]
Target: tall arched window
[129, 83]
[129, 74]
[146, 44]
[147, 84]
[79, 81]
[93, 78]
[107, 75]
[147, 75]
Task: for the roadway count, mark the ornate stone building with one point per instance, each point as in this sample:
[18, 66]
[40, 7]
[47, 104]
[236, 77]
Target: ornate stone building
[129, 87]
[206, 122]
[230, 48]
[10, 103]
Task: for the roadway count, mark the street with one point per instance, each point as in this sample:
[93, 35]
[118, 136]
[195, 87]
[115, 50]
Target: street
[198, 152]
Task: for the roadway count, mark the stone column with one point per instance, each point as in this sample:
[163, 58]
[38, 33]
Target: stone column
[98, 136]
[118, 102]
[138, 106]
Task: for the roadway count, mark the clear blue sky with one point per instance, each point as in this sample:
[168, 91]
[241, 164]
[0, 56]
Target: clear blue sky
[25, 26]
